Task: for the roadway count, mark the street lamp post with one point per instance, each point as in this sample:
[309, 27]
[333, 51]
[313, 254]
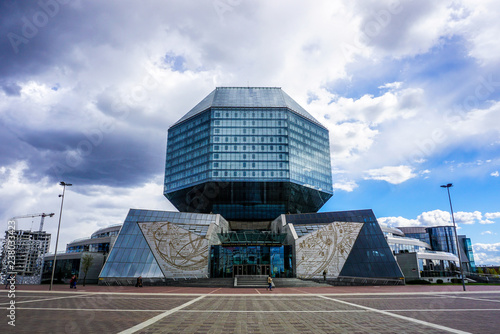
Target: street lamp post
[448, 186]
[58, 228]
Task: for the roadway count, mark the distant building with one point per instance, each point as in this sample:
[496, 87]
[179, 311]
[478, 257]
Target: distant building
[416, 258]
[29, 248]
[101, 241]
[429, 253]
[69, 263]
[442, 239]
[467, 253]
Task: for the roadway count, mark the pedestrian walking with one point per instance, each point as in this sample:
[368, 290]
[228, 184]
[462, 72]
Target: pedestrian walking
[138, 284]
[270, 282]
[324, 275]
[9, 279]
[72, 282]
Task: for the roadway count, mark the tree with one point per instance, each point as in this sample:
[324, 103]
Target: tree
[87, 260]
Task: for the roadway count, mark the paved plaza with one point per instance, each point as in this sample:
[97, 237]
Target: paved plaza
[395, 309]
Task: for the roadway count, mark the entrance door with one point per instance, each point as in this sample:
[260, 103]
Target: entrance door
[237, 270]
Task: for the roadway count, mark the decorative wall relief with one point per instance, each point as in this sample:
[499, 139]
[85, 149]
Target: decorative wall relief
[325, 249]
[179, 253]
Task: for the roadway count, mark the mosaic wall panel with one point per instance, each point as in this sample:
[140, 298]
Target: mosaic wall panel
[325, 249]
[179, 252]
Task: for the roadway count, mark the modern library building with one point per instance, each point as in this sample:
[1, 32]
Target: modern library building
[248, 169]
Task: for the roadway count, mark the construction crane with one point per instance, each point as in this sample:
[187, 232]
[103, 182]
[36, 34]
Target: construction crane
[33, 215]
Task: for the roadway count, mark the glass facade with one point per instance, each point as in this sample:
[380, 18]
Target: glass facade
[437, 268]
[229, 261]
[101, 247]
[371, 256]
[442, 238]
[131, 255]
[420, 236]
[403, 246]
[468, 251]
[65, 268]
[248, 153]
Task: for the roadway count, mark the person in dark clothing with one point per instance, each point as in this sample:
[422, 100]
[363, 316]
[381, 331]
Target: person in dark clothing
[9, 280]
[139, 282]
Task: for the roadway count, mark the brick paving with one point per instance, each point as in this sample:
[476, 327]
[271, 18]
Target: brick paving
[397, 309]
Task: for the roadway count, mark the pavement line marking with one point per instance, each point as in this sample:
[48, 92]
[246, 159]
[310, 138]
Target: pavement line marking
[214, 291]
[335, 311]
[151, 321]
[42, 300]
[258, 291]
[420, 322]
[86, 309]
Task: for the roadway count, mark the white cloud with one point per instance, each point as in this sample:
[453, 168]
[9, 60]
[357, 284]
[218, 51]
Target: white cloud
[487, 233]
[492, 215]
[486, 221]
[345, 185]
[425, 219]
[86, 209]
[398, 221]
[479, 25]
[495, 174]
[440, 218]
[467, 218]
[491, 251]
[391, 174]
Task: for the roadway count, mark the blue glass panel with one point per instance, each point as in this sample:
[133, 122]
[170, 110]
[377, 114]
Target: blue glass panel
[370, 257]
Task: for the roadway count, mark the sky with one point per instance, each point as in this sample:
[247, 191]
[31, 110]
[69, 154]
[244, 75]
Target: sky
[409, 90]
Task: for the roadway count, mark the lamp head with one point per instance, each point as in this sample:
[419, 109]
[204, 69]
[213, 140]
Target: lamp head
[447, 186]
